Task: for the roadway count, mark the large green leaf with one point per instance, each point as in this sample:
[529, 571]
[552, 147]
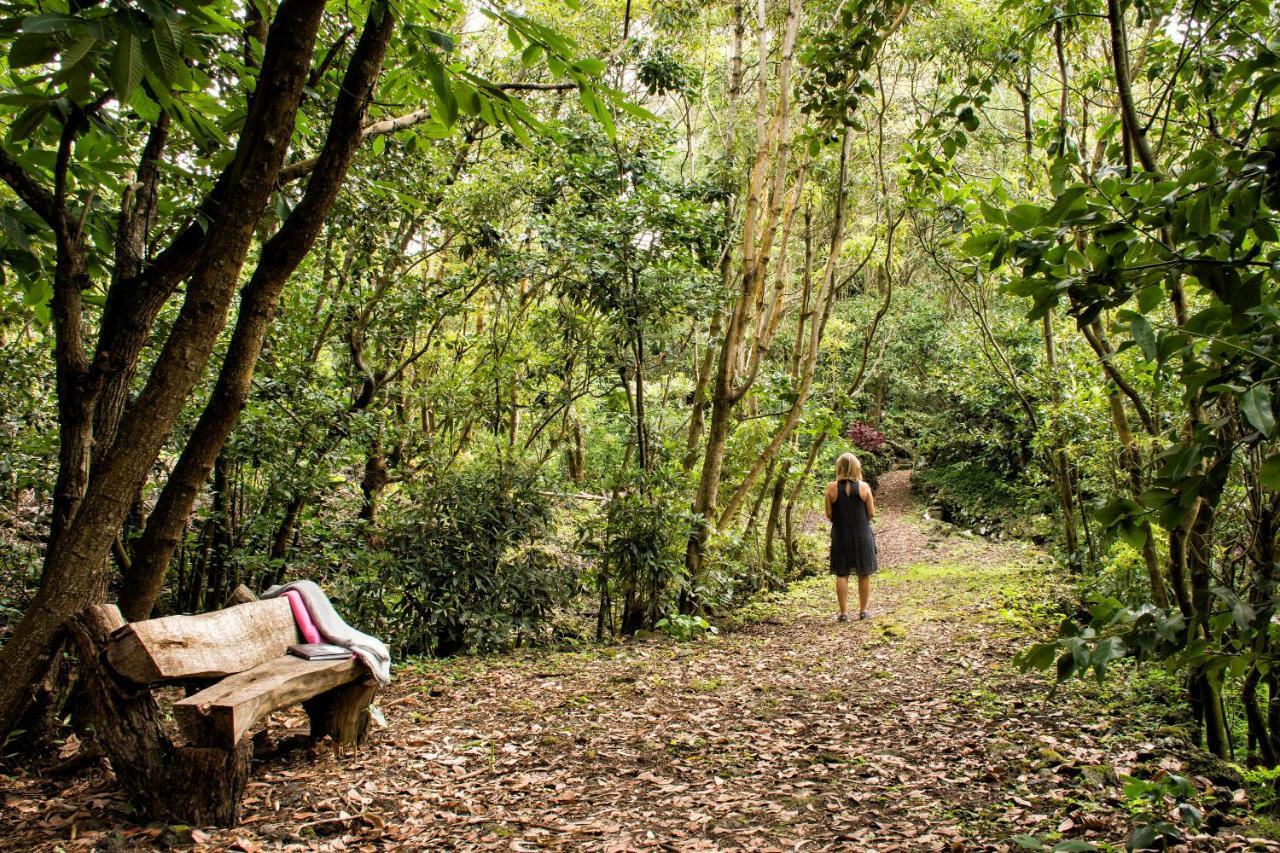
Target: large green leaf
[595, 107]
[1255, 404]
[49, 23]
[1068, 200]
[445, 96]
[1039, 656]
[1025, 216]
[126, 66]
[1241, 611]
[76, 51]
[531, 54]
[1107, 650]
[26, 123]
[32, 49]
[1143, 336]
[979, 244]
[166, 42]
[1269, 473]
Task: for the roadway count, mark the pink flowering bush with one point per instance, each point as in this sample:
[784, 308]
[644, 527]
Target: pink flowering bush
[865, 436]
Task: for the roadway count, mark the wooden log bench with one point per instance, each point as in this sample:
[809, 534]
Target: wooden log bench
[235, 666]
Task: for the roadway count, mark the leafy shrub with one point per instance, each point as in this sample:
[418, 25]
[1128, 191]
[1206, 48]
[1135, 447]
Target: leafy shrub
[865, 436]
[728, 577]
[662, 72]
[1149, 801]
[971, 495]
[685, 628]
[640, 555]
[875, 466]
[468, 566]
[1123, 575]
[1264, 788]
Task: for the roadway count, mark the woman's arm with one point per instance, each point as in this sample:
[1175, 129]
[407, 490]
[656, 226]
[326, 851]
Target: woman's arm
[829, 497]
[870, 500]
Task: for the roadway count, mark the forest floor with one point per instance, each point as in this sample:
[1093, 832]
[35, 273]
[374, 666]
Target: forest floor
[910, 731]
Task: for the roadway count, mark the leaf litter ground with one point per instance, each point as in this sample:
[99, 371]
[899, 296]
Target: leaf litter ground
[910, 731]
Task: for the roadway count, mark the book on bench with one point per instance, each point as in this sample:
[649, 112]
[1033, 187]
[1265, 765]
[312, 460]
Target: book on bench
[320, 651]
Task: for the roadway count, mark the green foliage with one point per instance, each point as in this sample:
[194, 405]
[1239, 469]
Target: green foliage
[971, 495]
[838, 60]
[474, 410]
[1122, 575]
[970, 439]
[640, 550]
[467, 566]
[1150, 800]
[1125, 241]
[662, 71]
[1264, 788]
[683, 628]
[111, 74]
[1153, 230]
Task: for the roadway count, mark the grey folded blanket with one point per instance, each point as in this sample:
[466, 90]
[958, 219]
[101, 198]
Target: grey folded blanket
[331, 626]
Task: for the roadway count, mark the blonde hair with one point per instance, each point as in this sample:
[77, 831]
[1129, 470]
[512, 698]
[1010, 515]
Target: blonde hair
[848, 467]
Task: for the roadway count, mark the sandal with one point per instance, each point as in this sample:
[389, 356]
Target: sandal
[843, 617]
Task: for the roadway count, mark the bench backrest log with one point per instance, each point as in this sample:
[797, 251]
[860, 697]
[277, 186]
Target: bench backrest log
[209, 645]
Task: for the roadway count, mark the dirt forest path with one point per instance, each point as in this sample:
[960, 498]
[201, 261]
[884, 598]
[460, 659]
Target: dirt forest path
[906, 732]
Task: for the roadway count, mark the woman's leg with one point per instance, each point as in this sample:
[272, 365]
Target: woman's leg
[842, 593]
[864, 592]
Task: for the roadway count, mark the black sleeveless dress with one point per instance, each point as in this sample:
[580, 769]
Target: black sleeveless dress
[853, 545]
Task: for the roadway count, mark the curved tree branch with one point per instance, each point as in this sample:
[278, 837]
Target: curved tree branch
[1100, 345]
[34, 194]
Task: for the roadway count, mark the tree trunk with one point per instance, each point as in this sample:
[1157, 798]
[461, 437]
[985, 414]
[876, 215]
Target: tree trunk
[576, 453]
[374, 481]
[279, 258]
[758, 230]
[822, 307]
[754, 515]
[775, 511]
[698, 416]
[76, 561]
[220, 538]
[1133, 465]
[1264, 509]
[791, 501]
[1133, 131]
[1199, 525]
[1060, 465]
[642, 429]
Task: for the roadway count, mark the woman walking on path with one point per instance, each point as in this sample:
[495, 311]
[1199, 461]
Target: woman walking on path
[850, 506]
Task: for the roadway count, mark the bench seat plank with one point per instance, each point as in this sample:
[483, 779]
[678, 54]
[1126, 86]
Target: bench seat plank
[221, 715]
[210, 645]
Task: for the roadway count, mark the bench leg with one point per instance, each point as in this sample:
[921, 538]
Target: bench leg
[342, 713]
[212, 784]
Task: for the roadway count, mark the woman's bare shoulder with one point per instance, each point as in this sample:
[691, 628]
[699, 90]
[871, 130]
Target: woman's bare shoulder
[831, 489]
